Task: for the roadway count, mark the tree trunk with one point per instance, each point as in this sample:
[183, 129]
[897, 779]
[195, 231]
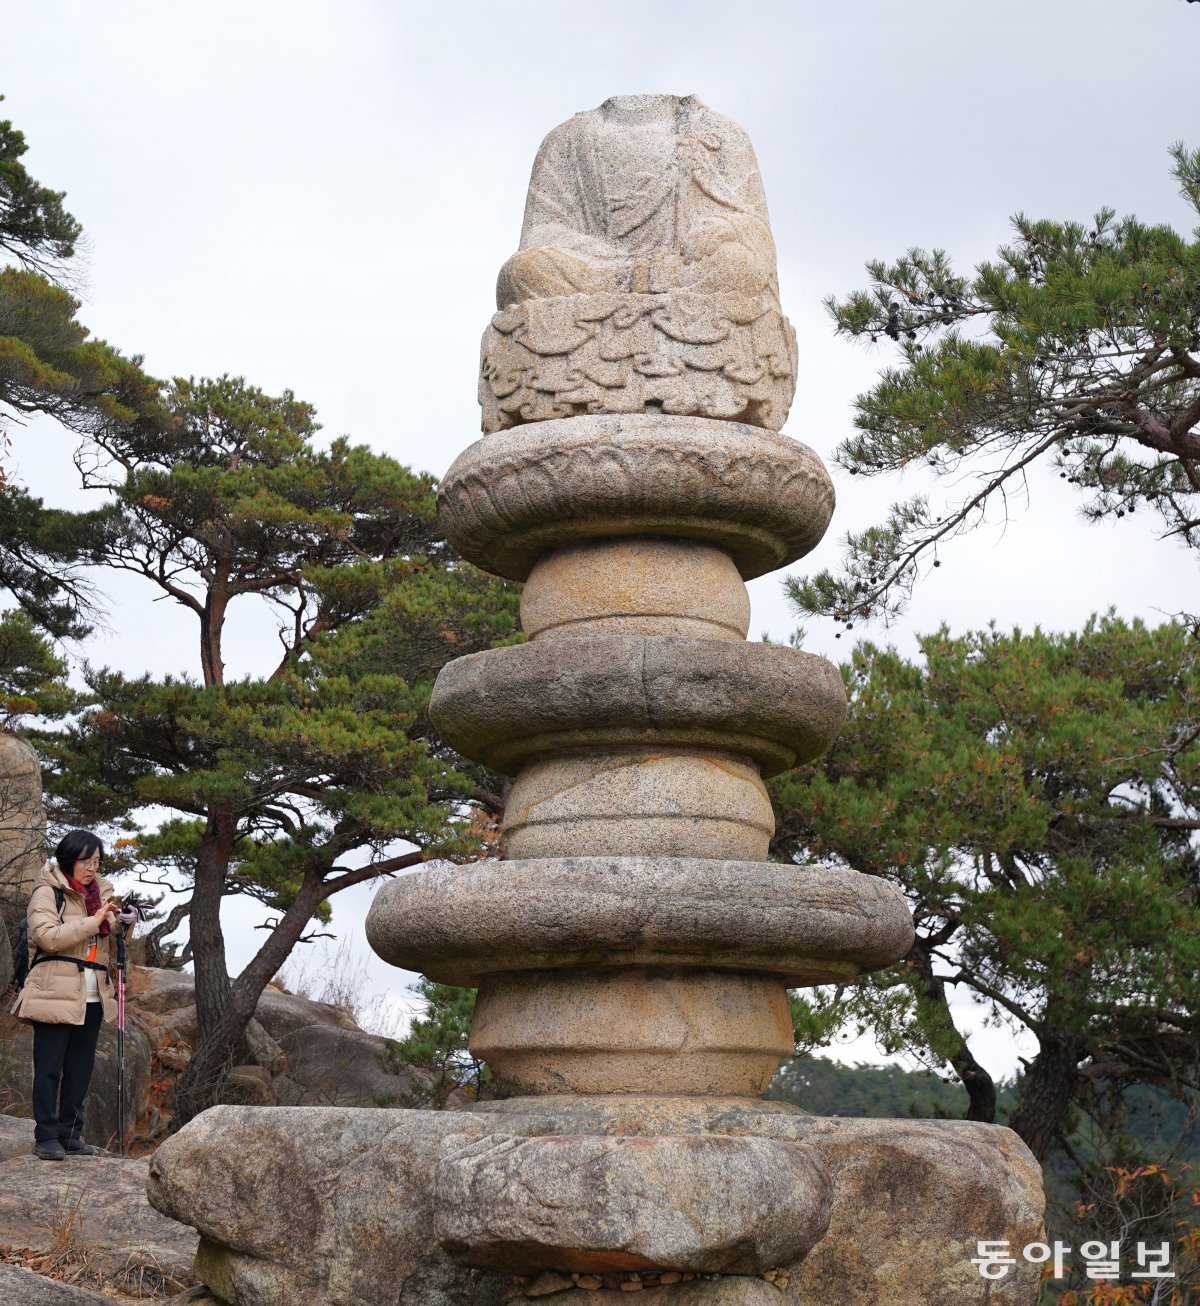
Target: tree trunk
[201, 1084]
[212, 625]
[981, 1088]
[1046, 1091]
[208, 940]
[157, 951]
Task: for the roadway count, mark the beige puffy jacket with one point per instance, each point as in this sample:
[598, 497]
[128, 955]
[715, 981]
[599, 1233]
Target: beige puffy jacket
[56, 991]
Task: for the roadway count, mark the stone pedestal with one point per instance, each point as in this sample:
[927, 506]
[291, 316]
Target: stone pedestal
[634, 946]
[337, 1206]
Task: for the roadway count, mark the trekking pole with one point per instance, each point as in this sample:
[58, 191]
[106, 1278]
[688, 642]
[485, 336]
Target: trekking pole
[121, 1037]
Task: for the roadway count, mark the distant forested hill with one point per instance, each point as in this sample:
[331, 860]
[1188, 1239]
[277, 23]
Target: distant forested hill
[1152, 1127]
[825, 1088]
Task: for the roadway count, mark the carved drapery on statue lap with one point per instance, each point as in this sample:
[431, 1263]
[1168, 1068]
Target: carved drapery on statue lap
[681, 353]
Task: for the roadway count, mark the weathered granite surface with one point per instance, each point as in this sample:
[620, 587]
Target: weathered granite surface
[658, 802]
[805, 924]
[711, 1290]
[909, 1199]
[510, 498]
[97, 1207]
[695, 1202]
[22, 839]
[22, 818]
[317, 1206]
[632, 1030]
[20, 1287]
[774, 704]
[635, 586]
[100, 1113]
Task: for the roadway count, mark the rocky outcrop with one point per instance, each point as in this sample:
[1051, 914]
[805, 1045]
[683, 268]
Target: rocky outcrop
[100, 1112]
[22, 817]
[328, 1065]
[22, 839]
[93, 1212]
[381, 1205]
[316, 1207]
[297, 1053]
[23, 1288]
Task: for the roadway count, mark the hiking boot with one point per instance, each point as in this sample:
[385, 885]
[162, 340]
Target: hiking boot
[50, 1150]
[77, 1147]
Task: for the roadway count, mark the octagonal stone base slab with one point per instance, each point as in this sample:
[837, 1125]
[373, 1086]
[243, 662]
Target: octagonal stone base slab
[697, 1202]
[331, 1206]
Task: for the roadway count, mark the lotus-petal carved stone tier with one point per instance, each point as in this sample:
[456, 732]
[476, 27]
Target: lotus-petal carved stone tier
[804, 924]
[728, 356]
[510, 497]
[706, 1203]
[775, 704]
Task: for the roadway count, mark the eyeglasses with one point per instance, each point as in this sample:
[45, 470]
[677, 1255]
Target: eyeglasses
[92, 863]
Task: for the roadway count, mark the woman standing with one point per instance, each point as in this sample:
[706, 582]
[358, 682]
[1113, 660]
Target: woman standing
[68, 991]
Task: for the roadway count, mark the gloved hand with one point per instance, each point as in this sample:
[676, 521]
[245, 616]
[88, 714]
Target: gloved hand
[128, 915]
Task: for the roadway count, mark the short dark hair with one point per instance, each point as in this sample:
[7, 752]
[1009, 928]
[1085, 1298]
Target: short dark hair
[76, 846]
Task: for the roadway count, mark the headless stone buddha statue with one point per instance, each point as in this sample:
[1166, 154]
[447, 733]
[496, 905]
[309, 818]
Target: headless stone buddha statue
[645, 278]
[644, 195]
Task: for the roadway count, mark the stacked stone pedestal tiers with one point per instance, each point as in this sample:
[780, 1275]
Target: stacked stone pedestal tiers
[634, 939]
[637, 974]
[633, 946]
[638, 722]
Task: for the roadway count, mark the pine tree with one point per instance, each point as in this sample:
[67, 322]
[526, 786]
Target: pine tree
[322, 770]
[1036, 797]
[438, 1041]
[1078, 348]
[50, 366]
[35, 228]
[33, 678]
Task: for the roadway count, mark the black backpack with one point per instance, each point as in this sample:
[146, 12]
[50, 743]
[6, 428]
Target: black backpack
[21, 963]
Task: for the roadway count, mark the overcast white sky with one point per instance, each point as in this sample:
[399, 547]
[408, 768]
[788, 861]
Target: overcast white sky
[319, 197]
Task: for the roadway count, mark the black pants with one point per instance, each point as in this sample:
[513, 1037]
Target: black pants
[63, 1057]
